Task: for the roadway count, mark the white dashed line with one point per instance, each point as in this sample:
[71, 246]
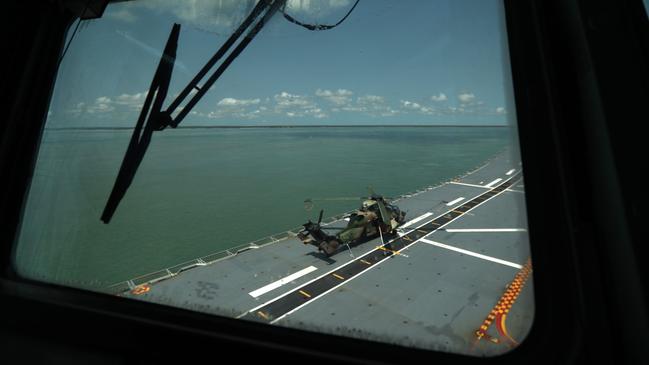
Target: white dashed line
[455, 201]
[278, 283]
[493, 183]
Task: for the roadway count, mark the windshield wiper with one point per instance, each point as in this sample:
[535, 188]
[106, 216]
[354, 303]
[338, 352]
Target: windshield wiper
[153, 118]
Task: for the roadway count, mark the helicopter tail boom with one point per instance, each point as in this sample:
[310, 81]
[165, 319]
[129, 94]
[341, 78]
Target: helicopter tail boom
[314, 235]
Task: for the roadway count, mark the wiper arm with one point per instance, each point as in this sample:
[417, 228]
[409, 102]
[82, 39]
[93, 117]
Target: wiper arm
[153, 118]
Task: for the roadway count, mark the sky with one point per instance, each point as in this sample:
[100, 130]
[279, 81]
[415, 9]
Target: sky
[441, 62]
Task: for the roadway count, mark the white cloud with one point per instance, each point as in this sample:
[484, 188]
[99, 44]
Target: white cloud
[232, 108]
[237, 102]
[427, 110]
[373, 105]
[370, 99]
[466, 97]
[293, 105]
[338, 97]
[438, 98]
[388, 112]
[102, 104]
[133, 101]
[285, 99]
[410, 105]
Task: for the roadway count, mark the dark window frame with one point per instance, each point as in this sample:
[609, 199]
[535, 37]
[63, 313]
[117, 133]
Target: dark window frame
[561, 77]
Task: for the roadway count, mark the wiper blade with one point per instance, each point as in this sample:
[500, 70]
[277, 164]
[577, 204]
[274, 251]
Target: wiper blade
[153, 118]
[148, 121]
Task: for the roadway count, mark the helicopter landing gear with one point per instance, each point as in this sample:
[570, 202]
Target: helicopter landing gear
[329, 247]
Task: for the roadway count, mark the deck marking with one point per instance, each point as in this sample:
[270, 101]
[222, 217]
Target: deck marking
[472, 185]
[305, 294]
[468, 230]
[455, 201]
[365, 262]
[500, 311]
[287, 303]
[141, 289]
[263, 314]
[493, 183]
[471, 253]
[338, 276]
[415, 220]
[510, 172]
[272, 286]
[383, 248]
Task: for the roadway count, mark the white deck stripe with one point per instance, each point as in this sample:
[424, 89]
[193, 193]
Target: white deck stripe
[455, 201]
[493, 183]
[415, 220]
[278, 283]
[465, 184]
[510, 172]
[362, 272]
[453, 230]
[471, 253]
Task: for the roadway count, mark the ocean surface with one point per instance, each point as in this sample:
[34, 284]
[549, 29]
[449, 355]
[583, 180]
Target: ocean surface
[200, 191]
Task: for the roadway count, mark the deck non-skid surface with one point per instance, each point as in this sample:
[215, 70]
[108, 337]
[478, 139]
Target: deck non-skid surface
[432, 286]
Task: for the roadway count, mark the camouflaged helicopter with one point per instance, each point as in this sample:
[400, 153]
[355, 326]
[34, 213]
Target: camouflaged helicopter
[374, 218]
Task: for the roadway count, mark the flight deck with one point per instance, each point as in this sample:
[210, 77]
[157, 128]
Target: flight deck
[456, 277]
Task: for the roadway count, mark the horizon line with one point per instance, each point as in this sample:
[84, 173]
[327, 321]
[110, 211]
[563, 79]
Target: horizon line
[286, 126]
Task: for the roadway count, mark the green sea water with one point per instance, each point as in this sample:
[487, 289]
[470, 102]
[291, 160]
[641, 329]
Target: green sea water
[199, 191]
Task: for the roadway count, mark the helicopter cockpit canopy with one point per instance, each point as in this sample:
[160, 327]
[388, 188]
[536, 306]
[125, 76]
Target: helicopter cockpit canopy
[368, 203]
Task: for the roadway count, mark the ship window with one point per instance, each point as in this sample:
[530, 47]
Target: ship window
[200, 195]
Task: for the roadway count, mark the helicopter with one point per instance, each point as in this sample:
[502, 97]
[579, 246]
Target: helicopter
[375, 217]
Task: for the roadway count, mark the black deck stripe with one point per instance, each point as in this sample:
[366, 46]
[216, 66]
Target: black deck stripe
[294, 299]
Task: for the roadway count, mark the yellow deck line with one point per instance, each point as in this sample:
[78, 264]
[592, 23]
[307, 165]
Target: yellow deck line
[305, 294]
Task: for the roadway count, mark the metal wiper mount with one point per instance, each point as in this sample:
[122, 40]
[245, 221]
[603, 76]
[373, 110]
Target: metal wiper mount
[153, 118]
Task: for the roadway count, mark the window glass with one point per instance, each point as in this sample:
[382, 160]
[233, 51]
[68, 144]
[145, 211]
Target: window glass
[402, 113]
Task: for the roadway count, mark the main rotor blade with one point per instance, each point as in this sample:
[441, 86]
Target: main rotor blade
[385, 216]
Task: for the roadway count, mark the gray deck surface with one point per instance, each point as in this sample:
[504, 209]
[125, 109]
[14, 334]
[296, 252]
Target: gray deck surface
[425, 295]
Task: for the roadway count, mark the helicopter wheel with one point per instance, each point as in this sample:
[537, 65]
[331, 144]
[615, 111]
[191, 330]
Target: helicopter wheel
[329, 247]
